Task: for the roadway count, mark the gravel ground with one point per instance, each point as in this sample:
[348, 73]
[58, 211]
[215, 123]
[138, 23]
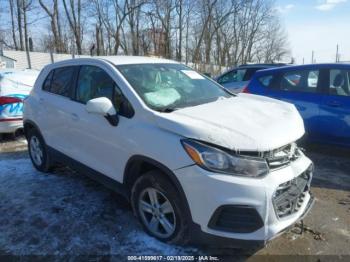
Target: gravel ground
[65, 213]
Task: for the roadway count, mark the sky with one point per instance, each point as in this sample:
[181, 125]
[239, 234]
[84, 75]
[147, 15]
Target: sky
[316, 25]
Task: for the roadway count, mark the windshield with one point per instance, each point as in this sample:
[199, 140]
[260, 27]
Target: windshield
[167, 87]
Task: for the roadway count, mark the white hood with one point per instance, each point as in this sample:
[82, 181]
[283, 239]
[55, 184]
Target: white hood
[246, 122]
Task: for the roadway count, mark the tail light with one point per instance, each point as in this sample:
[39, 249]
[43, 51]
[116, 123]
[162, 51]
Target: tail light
[245, 90]
[9, 100]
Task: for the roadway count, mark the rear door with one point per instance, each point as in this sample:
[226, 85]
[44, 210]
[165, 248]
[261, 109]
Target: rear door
[301, 87]
[335, 107]
[54, 115]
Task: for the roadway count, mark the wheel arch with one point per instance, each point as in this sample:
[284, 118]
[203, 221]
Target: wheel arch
[29, 125]
[138, 165]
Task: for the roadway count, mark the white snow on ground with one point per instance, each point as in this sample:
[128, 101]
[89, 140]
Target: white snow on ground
[67, 213]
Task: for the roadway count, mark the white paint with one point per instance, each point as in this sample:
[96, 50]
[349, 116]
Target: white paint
[245, 122]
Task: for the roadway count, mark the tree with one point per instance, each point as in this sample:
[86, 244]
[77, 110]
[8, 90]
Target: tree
[73, 13]
[53, 14]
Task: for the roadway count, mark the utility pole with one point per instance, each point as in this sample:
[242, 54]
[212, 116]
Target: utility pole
[303, 60]
[312, 57]
[337, 54]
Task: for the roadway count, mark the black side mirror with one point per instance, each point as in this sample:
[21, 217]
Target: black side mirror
[112, 119]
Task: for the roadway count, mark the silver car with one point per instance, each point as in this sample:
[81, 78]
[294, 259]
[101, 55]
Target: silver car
[237, 78]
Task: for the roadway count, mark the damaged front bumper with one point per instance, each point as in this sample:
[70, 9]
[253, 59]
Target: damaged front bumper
[243, 209]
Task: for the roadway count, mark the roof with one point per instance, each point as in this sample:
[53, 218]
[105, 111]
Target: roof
[307, 66]
[264, 65]
[124, 60]
[115, 60]
[8, 57]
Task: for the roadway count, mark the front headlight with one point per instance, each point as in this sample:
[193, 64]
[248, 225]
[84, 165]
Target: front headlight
[217, 160]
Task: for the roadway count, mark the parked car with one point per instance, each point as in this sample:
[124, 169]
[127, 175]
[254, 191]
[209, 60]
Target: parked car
[321, 93]
[15, 85]
[197, 162]
[237, 78]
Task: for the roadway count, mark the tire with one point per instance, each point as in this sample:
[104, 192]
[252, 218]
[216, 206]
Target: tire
[175, 215]
[38, 151]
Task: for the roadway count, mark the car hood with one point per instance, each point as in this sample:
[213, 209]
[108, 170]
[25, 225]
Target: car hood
[244, 122]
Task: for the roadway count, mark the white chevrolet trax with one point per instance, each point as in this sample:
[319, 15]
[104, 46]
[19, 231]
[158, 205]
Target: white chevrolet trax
[196, 162]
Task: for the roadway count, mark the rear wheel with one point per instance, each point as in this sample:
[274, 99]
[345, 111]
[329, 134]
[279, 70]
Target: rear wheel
[157, 204]
[38, 151]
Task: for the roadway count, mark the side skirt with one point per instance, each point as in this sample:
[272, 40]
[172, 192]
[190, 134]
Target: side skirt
[91, 173]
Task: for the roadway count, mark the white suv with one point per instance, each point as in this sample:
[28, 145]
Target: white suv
[196, 162]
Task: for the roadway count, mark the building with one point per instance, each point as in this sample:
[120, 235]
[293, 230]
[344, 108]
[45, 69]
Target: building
[6, 62]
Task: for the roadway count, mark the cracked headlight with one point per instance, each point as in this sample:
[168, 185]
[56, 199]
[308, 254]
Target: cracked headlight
[217, 160]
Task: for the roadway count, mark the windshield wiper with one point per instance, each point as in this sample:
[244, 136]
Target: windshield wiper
[168, 109]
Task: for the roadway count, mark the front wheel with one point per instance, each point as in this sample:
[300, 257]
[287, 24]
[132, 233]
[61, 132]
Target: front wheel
[38, 151]
[156, 203]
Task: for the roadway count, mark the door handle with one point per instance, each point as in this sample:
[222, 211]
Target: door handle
[75, 117]
[334, 104]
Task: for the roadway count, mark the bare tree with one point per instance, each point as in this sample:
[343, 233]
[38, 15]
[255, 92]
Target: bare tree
[73, 13]
[53, 14]
[25, 6]
[13, 29]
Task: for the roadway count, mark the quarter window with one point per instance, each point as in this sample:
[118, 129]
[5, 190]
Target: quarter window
[47, 83]
[300, 81]
[339, 82]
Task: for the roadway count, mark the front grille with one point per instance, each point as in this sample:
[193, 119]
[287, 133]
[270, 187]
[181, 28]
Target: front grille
[289, 196]
[283, 156]
[279, 157]
[237, 219]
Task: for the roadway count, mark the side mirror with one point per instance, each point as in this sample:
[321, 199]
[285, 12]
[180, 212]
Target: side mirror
[103, 106]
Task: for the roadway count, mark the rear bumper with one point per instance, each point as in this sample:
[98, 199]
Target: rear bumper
[10, 125]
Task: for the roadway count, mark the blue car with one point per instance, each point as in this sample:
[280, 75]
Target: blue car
[320, 92]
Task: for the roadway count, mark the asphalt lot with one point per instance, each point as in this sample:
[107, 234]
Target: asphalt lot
[65, 213]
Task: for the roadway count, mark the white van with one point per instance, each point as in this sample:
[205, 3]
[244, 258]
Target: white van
[15, 85]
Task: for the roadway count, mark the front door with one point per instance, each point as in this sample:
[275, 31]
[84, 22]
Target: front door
[335, 108]
[301, 88]
[96, 142]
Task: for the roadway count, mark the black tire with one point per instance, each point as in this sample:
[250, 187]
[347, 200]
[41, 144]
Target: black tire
[45, 164]
[157, 180]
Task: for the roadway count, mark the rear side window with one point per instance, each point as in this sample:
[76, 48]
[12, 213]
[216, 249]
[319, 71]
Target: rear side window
[339, 82]
[300, 81]
[60, 81]
[232, 76]
[266, 81]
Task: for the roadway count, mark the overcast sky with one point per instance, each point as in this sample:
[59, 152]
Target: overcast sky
[317, 25]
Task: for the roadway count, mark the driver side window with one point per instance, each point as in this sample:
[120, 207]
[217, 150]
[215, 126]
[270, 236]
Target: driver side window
[94, 82]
